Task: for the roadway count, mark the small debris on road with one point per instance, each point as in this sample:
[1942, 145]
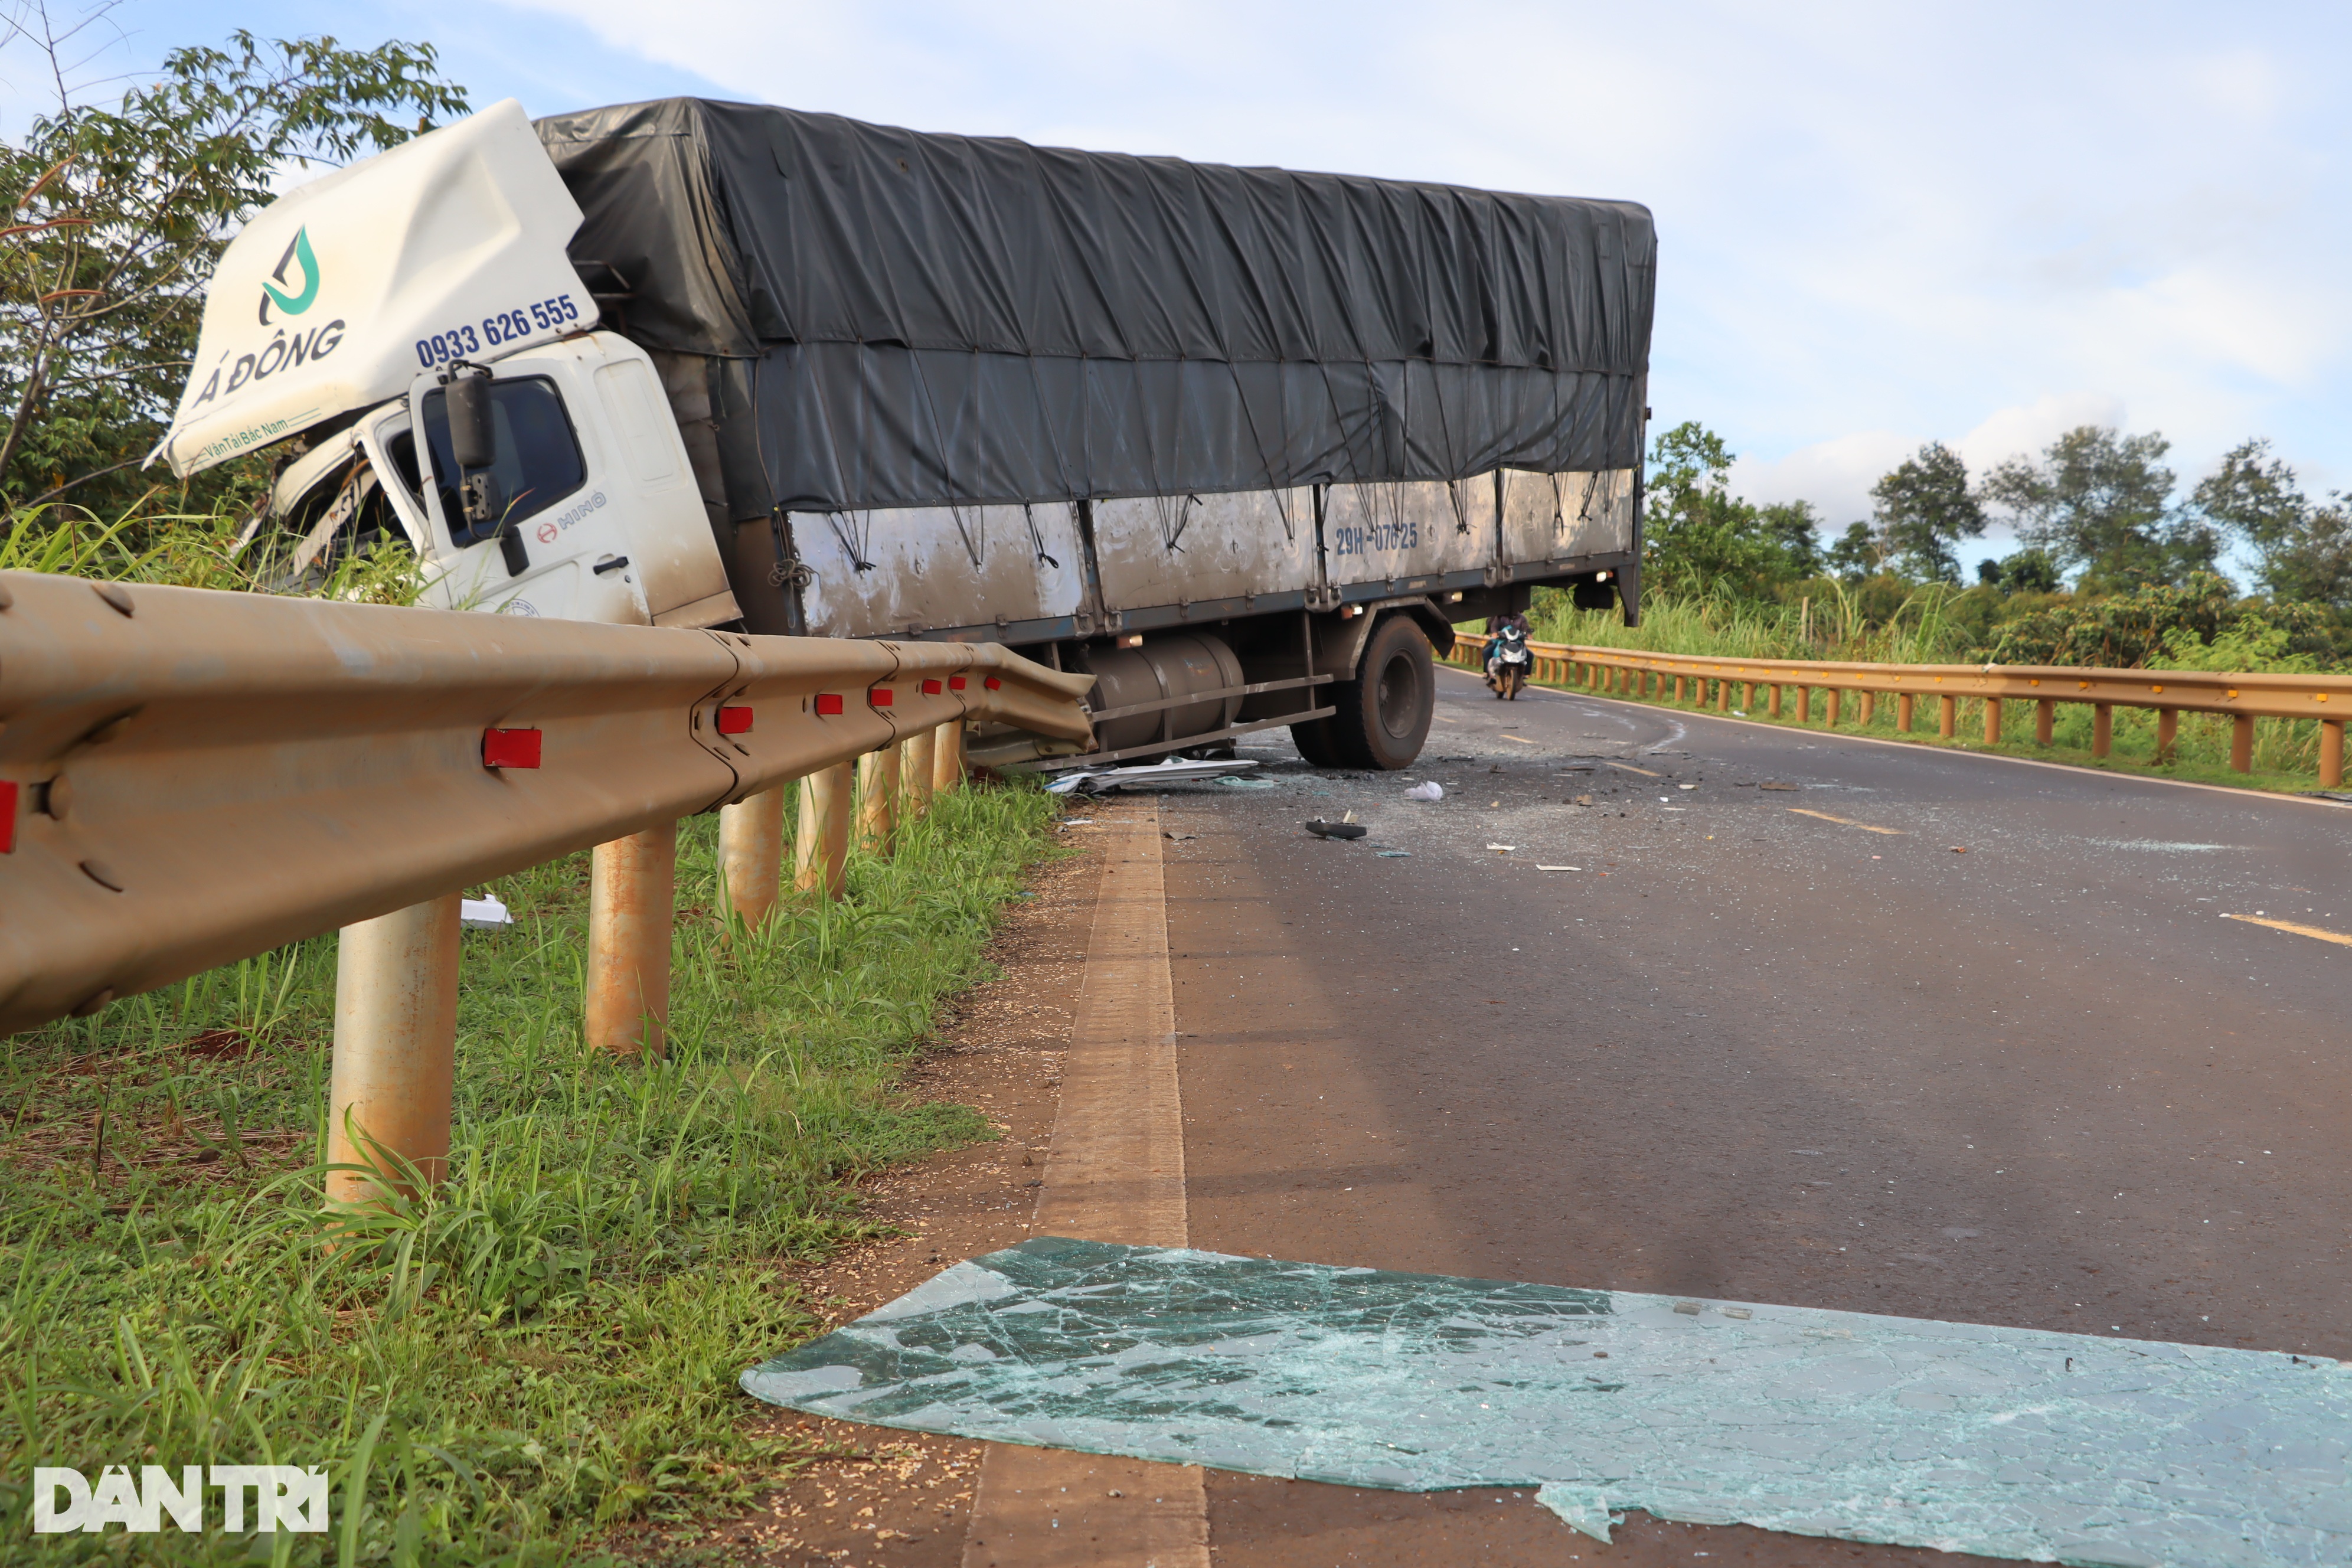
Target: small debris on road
[1173, 770]
[1849, 822]
[1322, 829]
[1959, 849]
[1584, 800]
[1393, 854]
[1180, 838]
[1629, 768]
[1770, 784]
[1560, 868]
[1247, 783]
[1428, 789]
[1686, 786]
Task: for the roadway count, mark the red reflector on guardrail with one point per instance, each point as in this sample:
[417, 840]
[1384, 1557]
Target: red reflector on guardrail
[992, 683]
[734, 721]
[7, 816]
[829, 702]
[955, 683]
[930, 688]
[509, 748]
[878, 696]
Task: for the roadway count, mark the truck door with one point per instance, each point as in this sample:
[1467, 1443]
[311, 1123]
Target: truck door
[589, 512]
[528, 536]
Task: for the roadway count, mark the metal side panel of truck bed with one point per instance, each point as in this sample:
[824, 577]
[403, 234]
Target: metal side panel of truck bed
[896, 570]
[1179, 549]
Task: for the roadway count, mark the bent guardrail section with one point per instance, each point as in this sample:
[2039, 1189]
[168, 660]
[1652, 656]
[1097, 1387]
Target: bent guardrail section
[188, 777]
[2327, 699]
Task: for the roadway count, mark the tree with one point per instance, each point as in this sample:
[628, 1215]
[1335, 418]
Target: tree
[121, 213]
[1925, 509]
[2304, 549]
[1700, 538]
[2100, 503]
[1796, 528]
[2027, 570]
[1859, 552]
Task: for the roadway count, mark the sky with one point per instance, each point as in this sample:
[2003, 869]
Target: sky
[1878, 226]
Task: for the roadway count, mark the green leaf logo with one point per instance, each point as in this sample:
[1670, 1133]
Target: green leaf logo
[293, 304]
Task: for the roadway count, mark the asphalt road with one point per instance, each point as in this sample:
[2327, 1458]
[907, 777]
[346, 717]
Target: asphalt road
[1773, 1043]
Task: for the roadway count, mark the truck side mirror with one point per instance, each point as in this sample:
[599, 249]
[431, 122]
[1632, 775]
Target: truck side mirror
[473, 435]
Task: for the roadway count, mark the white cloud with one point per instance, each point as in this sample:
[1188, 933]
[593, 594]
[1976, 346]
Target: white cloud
[1836, 475]
[1879, 225]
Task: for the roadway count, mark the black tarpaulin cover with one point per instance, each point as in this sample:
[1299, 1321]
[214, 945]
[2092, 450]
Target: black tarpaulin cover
[971, 319]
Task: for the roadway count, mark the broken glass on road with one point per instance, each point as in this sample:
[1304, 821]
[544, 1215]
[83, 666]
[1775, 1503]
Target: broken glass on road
[2007, 1442]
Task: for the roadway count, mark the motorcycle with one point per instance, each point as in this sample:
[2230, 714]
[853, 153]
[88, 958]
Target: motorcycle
[1508, 663]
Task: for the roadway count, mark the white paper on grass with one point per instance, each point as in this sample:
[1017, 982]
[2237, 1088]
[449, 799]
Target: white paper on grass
[483, 914]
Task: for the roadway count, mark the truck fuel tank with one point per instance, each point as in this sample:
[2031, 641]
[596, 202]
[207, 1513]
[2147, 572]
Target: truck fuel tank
[1170, 679]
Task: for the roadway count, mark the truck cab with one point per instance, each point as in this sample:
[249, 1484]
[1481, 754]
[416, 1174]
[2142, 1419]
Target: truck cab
[587, 510]
[340, 323]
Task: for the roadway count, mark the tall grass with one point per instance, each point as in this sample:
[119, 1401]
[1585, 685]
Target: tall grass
[2287, 751]
[546, 1346]
[191, 550]
[1831, 626]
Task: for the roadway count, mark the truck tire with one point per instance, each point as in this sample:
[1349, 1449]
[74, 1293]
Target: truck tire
[1384, 713]
[1314, 740]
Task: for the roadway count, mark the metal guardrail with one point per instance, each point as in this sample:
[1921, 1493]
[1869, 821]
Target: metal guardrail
[189, 777]
[2168, 693]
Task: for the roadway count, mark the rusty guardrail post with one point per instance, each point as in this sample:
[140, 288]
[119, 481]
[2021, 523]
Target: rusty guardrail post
[947, 758]
[1777, 690]
[1948, 716]
[1869, 709]
[396, 1050]
[877, 786]
[1831, 704]
[1723, 697]
[1905, 702]
[2103, 728]
[751, 854]
[2241, 742]
[915, 774]
[2045, 720]
[2168, 727]
[821, 847]
[632, 901]
[1992, 722]
[1804, 705]
[2331, 754]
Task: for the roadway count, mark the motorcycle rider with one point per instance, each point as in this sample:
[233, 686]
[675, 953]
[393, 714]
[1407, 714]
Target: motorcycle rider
[1508, 662]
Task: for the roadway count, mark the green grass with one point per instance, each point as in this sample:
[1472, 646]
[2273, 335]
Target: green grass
[542, 1353]
[1914, 631]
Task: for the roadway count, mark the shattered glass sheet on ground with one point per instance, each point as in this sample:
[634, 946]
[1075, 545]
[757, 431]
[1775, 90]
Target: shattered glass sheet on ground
[2008, 1442]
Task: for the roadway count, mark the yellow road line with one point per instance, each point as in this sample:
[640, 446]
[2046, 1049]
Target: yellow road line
[1522, 740]
[2336, 937]
[1629, 768]
[1849, 822]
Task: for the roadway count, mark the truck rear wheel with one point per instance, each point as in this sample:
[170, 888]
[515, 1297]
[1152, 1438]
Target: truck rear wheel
[1315, 743]
[1384, 713]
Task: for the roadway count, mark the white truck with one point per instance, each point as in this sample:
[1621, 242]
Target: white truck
[1245, 444]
